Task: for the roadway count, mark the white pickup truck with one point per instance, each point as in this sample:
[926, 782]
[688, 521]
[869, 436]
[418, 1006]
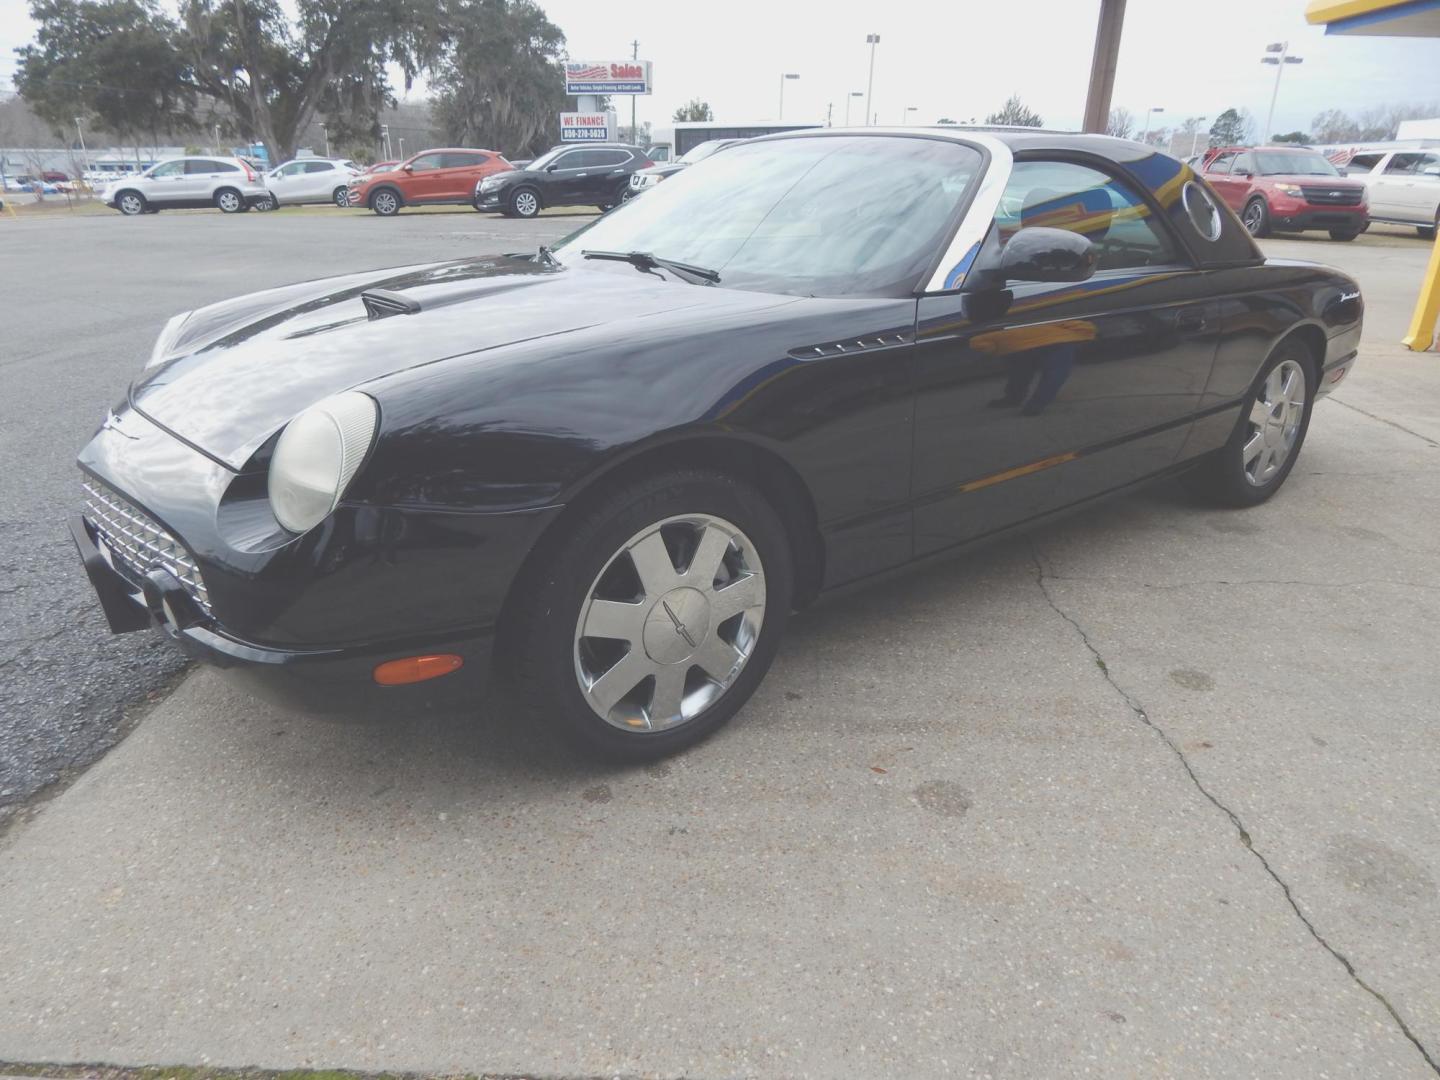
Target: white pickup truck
[1403, 186]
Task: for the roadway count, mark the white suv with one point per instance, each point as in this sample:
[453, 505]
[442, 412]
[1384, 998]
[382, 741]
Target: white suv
[227, 183]
[311, 180]
[1403, 185]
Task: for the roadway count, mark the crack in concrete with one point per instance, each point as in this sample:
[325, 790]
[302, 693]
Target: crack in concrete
[1399, 427]
[1135, 707]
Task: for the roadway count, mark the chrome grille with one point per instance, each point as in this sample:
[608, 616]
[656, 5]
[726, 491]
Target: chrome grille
[138, 541]
[1328, 196]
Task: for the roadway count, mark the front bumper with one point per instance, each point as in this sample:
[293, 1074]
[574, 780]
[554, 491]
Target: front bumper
[319, 680]
[491, 200]
[305, 620]
[1303, 216]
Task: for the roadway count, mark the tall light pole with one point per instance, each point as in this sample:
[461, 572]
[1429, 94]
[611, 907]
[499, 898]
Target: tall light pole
[84, 154]
[634, 131]
[326, 129]
[402, 147]
[852, 94]
[905, 116]
[1154, 109]
[217, 138]
[782, 92]
[1195, 142]
[872, 40]
[1277, 53]
[385, 139]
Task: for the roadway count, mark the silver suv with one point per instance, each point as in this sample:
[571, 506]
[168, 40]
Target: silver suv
[312, 180]
[227, 183]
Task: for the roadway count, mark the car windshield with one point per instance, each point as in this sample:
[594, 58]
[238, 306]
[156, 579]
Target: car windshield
[1293, 163]
[701, 152]
[809, 216]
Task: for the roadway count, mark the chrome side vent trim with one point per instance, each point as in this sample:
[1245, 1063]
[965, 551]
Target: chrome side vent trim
[851, 346]
[382, 303]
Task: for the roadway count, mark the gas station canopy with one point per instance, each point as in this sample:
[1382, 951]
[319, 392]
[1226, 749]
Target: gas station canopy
[1376, 18]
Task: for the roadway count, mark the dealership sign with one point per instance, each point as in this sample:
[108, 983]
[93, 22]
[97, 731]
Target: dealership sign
[587, 126]
[622, 77]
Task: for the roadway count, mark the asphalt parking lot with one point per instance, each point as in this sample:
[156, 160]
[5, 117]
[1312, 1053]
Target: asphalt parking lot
[1150, 793]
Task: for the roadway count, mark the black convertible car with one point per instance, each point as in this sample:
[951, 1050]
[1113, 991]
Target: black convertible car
[613, 469]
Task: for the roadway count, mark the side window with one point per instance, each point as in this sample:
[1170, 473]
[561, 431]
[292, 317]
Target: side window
[609, 159]
[1064, 195]
[170, 168]
[426, 162]
[574, 159]
[1364, 163]
[1221, 163]
[1244, 165]
[319, 166]
[1428, 164]
[203, 167]
[464, 161]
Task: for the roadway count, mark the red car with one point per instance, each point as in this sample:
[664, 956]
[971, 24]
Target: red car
[429, 178]
[1287, 189]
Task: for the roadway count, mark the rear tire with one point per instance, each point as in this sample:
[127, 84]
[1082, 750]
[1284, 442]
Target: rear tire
[1343, 235]
[1262, 450]
[1427, 232]
[670, 686]
[230, 201]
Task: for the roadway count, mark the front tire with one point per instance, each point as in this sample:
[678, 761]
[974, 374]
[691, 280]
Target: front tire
[340, 197]
[230, 201]
[1343, 235]
[1266, 442]
[524, 203]
[386, 203]
[130, 203]
[1256, 217]
[656, 618]
[1427, 232]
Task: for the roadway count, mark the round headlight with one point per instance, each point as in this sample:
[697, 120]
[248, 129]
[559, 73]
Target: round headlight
[317, 457]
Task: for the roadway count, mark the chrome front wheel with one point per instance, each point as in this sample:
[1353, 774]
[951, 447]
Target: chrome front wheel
[670, 622]
[1275, 419]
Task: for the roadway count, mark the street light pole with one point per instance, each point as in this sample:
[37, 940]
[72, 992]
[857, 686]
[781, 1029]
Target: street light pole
[905, 116]
[385, 139]
[326, 129]
[852, 94]
[872, 40]
[84, 154]
[634, 131]
[1153, 109]
[783, 77]
[1195, 142]
[1279, 55]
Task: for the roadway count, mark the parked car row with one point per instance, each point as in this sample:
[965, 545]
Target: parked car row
[1403, 186]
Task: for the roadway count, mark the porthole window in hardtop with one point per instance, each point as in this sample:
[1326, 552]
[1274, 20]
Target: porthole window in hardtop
[1202, 211]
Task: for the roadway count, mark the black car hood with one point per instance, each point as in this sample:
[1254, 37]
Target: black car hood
[242, 369]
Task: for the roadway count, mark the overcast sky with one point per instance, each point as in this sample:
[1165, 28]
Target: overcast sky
[962, 59]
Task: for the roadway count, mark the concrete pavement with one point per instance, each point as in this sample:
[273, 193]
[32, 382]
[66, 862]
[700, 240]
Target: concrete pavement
[1150, 793]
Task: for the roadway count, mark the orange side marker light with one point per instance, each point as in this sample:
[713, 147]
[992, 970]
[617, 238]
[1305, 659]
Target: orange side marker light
[413, 669]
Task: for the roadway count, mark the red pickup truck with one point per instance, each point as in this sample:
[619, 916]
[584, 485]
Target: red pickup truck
[1287, 189]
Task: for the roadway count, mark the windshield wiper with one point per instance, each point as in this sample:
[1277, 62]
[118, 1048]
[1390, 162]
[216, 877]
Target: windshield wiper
[548, 256]
[643, 260]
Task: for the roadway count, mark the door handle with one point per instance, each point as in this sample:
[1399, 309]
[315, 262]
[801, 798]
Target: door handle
[1190, 321]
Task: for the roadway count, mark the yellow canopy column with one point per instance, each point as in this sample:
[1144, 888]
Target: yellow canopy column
[1392, 18]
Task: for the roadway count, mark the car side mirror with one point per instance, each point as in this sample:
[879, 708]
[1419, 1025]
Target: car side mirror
[1242, 172]
[1038, 253]
[408, 168]
[1430, 170]
[551, 168]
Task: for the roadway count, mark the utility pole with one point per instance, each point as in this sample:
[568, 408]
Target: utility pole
[84, 154]
[872, 40]
[829, 112]
[1102, 66]
[1277, 53]
[783, 77]
[852, 94]
[634, 130]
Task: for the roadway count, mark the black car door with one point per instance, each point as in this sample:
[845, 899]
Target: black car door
[1072, 389]
[566, 178]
